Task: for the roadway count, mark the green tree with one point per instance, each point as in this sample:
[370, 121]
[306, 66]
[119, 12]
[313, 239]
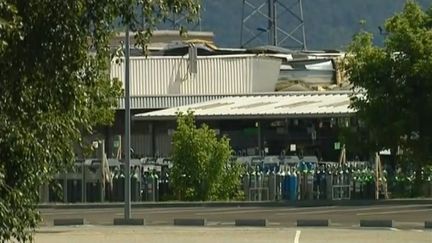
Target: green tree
[393, 83]
[201, 163]
[55, 87]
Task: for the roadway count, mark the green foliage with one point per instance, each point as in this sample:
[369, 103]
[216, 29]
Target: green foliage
[202, 168]
[394, 83]
[55, 86]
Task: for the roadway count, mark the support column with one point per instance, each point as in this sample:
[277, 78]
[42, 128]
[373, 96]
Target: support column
[103, 168]
[65, 189]
[377, 189]
[152, 139]
[258, 125]
[109, 142]
[83, 183]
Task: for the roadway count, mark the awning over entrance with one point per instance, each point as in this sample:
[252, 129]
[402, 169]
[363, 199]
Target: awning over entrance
[264, 106]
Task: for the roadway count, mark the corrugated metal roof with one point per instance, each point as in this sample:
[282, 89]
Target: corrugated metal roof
[272, 105]
[166, 101]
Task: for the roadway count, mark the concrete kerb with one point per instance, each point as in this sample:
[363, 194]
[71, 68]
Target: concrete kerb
[313, 222]
[251, 222]
[190, 222]
[68, 222]
[123, 221]
[376, 223]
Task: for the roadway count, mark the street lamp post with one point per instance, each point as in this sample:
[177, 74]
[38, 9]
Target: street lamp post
[127, 207]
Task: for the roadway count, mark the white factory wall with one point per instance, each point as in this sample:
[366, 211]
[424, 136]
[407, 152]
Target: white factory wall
[265, 74]
[234, 74]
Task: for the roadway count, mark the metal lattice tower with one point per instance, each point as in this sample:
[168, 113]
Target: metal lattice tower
[273, 22]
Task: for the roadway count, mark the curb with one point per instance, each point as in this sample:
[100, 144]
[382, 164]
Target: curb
[123, 221]
[313, 222]
[68, 222]
[251, 222]
[190, 222]
[376, 223]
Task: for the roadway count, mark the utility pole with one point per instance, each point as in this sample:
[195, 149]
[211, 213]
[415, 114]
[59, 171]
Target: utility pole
[127, 207]
[272, 22]
[127, 220]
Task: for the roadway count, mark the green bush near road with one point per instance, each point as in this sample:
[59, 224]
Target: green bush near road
[202, 169]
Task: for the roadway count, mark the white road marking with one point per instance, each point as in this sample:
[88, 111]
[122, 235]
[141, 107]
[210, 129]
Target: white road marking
[394, 229]
[138, 210]
[170, 210]
[213, 223]
[395, 212]
[323, 211]
[274, 223]
[160, 222]
[261, 210]
[417, 230]
[199, 211]
[227, 223]
[355, 209]
[77, 212]
[191, 210]
[308, 212]
[234, 211]
[297, 236]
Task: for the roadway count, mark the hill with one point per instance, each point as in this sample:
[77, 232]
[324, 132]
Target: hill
[329, 24]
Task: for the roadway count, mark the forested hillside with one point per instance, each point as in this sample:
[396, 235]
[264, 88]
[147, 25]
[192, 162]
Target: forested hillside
[329, 24]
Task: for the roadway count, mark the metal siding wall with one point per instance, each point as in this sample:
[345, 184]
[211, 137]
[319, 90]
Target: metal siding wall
[163, 144]
[141, 144]
[117, 71]
[265, 74]
[220, 76]
[163, 76]
[154, 76]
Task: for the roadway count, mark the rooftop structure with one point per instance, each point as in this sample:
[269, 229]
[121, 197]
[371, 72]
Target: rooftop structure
[268, 106]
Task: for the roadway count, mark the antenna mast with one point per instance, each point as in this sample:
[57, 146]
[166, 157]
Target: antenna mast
[273, 22]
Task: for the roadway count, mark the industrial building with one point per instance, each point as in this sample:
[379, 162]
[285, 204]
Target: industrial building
[268, 100]
[282, 109]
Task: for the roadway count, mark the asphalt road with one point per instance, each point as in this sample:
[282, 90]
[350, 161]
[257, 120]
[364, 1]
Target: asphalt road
[161, 234]
[404, 216]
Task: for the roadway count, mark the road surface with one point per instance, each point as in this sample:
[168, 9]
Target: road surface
[404, 216]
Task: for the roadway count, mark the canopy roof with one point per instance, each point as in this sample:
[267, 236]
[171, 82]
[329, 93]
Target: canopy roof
[263, 106]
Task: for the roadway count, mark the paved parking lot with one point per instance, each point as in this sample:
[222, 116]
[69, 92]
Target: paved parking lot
[160, 234]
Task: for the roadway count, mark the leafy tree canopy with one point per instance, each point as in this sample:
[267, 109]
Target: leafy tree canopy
[54, 86]
[394, 83]
[201, 163]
